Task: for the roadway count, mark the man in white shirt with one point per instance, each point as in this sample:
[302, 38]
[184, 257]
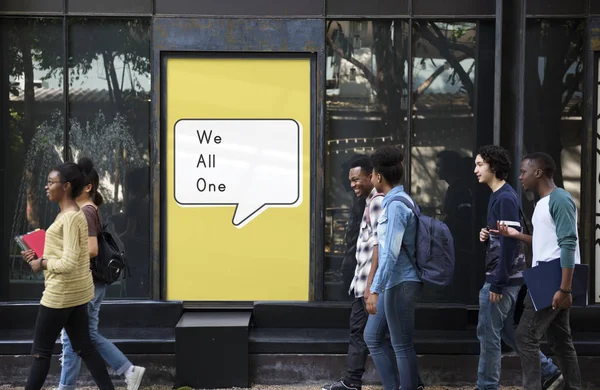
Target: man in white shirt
[554, 236]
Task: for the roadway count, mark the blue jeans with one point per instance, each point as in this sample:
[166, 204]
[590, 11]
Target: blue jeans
[71, 362]
[380, 347]
[496, 323]
[399, 304]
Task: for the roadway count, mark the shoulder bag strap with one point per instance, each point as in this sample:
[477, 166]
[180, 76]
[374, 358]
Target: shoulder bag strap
[522, 214]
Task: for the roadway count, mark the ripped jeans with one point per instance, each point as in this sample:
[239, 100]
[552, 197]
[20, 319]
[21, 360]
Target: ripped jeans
[48, 324]
[71, 363]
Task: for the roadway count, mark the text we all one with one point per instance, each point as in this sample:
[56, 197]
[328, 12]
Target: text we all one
[209, 162]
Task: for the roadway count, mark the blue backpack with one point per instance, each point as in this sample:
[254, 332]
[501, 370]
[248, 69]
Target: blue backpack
[434, 258]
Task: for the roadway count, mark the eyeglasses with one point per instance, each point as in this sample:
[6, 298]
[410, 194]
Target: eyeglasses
[50, 182]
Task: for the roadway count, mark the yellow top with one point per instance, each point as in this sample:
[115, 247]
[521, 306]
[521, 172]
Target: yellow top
[68, 277]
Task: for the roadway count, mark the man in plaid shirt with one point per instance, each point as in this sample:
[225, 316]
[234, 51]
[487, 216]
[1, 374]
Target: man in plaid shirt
[366, 259]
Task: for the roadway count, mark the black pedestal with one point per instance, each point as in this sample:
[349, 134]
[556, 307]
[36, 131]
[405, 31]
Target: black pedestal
[212, 350]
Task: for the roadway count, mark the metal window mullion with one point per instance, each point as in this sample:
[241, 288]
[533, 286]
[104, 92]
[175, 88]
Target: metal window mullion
[589, 155]
[66, 153]
[408, 142]
[498, 71]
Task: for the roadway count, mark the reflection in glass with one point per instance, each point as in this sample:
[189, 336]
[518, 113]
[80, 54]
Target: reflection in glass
[367, 95]
[31, 86]
[442, 179]
[109, 98]
[553, 98]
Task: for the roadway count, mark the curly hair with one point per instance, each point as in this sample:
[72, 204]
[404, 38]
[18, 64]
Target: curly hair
[498, 159]
[387, 161]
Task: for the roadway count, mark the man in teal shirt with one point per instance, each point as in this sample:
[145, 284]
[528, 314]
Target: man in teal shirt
[554, 236]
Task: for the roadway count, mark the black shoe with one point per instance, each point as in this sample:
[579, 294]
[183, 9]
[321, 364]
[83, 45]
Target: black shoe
[553, 383]
[342, 385]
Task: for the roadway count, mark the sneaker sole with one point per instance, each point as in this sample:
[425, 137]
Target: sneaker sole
[138, 382]
[557, 383]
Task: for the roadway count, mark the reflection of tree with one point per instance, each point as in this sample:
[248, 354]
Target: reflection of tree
[390, 48]
[24, 42]
[114, 146]
[37, 44]
[558, 46]
[105, 41]
[447, 46]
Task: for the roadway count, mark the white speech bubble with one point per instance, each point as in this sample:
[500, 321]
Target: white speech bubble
[250, 163]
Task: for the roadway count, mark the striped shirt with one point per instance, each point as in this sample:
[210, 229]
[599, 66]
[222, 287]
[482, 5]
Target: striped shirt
[68, 279]
[365, 245]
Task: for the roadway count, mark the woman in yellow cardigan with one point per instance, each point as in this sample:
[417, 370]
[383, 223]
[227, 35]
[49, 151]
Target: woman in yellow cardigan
[68, 282]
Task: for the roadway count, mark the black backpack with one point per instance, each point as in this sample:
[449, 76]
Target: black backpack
[110, 263]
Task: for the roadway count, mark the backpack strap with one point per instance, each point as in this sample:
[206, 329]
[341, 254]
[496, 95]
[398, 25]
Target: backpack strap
[411, 206]
[411, 256]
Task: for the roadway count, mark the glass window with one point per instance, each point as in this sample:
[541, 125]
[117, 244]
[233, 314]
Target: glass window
[554, 69]
[443, 142]
[109, 100]
[31, 111]
[367, 98]
[597, 180]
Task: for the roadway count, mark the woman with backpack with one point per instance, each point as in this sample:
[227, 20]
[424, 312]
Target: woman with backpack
[89, 201]
[68, 285]
[396, 277]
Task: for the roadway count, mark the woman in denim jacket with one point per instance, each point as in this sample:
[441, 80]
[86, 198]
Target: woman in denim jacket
[396, 277]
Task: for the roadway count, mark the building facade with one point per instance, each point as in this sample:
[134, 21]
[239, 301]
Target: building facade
[111, 80]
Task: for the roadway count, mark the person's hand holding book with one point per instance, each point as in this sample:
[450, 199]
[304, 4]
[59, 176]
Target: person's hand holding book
[28, 255]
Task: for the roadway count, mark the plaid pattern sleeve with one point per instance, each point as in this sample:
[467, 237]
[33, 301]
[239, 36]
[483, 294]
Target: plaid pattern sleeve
[374, 213]
[366, 242]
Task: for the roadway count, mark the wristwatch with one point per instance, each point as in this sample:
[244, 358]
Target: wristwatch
[565, 291]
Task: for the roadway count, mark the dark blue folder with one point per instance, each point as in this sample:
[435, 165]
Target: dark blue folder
[544, 280]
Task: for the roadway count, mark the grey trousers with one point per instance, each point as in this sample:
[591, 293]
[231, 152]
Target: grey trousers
[555, 325]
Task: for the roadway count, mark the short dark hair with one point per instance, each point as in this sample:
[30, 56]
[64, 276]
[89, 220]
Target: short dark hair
[363, 163]
[387, 161]
[91, 176]
[544, 161]
[498, 159]
[70, 172]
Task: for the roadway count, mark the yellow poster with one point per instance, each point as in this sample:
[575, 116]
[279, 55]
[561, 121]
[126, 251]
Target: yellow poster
[238, 179]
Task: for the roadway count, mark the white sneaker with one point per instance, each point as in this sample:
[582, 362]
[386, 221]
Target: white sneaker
[134, 379]
[554, 383]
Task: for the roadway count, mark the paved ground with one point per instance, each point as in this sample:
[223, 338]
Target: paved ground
[293, 387]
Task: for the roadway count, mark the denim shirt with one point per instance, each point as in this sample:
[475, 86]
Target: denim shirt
[397, 226]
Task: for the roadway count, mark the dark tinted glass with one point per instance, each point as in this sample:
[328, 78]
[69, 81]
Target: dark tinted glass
[443, 141]
[31, 113]
[367, 97]
[554, 70]
[109, 99]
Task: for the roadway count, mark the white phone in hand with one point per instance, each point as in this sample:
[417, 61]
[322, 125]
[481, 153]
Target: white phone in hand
[514, 224]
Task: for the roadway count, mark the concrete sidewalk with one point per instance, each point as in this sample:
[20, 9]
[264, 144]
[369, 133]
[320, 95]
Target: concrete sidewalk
[259, 387]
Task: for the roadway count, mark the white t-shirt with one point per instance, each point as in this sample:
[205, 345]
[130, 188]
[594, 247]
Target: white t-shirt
[555, 228]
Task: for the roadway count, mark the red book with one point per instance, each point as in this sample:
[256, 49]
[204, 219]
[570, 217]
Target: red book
[36, 240]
